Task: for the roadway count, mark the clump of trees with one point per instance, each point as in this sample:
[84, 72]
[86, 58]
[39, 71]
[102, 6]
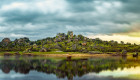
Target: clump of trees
[67, 43]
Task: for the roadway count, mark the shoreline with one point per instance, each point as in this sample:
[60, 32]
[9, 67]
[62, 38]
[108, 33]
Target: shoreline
[67, 55]
[76, 55]
[60, 54]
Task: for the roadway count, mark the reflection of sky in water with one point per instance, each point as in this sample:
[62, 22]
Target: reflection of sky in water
[77, 69]
[33, 75]
[121, 73]
[11, 75]
[129, 73]
[125, 74]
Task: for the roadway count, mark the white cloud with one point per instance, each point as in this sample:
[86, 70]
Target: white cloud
[104, 7]
[45, 6]
[51, 6]
[15, 5]
[117, 4]
[1, 19]
[12, 35]
[17, 35]
[107, 5]
[3, 29]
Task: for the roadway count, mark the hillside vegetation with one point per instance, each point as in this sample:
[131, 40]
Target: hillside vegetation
[67, 43]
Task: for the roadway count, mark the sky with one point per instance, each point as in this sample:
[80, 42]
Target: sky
[117, 20]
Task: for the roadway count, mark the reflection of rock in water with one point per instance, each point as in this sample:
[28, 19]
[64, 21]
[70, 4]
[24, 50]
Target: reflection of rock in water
[6, 57]
[23, 70]
[17, 57]
[124, 58]
[66, 68]
[6, 69]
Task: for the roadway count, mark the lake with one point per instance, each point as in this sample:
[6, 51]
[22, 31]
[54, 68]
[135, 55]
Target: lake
[75, 68]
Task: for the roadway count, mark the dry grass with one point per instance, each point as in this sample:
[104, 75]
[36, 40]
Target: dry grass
[76, 55]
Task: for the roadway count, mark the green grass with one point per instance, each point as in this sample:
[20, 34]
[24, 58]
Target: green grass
[39, 53]
[12, 52]
[54, 52]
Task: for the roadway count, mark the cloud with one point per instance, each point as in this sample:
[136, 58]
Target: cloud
[51, 7]
[43, 18]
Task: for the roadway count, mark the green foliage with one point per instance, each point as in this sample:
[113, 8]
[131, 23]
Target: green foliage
[68, 43]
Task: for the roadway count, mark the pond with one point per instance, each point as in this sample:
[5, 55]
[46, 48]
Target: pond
[75, 68]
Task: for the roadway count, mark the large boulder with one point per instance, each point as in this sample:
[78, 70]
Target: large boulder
[43, 50]
[28, 50]
[70, 34]
[74, 46]
[84, 44]
[22, 40]
[17, 53]
[6, 40]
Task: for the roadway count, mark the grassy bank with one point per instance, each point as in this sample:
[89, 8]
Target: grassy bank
[61, 54]
[43, 53]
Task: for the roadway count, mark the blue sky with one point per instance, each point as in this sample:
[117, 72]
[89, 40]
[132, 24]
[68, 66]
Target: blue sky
[38, 19]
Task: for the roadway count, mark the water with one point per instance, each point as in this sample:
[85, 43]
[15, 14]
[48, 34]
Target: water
[62, 68]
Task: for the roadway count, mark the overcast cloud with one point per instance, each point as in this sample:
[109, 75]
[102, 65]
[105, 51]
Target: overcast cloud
[38, 19]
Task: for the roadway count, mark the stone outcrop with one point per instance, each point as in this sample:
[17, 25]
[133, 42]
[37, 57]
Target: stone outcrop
[70, 34]
[6, 40]
[84, 44]
[22, 40]
[17, 53]
[43, 50]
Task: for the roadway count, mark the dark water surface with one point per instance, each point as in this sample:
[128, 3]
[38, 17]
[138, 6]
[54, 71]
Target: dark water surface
[62, 68]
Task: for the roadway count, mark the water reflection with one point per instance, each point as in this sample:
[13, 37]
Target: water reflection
[76, 68]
